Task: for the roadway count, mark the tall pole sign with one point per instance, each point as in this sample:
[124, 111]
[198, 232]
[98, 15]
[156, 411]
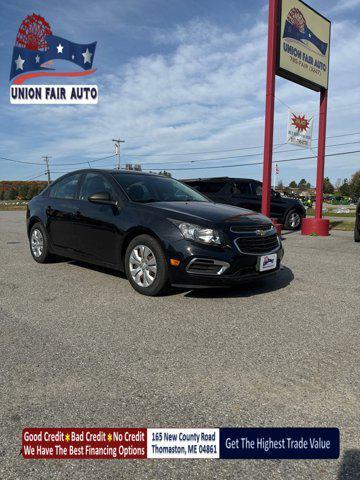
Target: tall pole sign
[298, 50]
[269, 106]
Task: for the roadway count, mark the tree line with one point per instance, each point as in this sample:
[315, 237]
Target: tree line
[16, 190]
[344, 187]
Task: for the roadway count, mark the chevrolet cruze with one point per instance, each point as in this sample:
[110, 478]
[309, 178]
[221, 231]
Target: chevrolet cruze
[157, 230]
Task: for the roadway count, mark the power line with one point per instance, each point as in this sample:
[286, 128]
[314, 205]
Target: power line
[236, 156]
[227, 150]
[19, 161]
[256, 163]
[231, 166]
[175, 154]
[82, 163]
[34, 178]
[242, 156]
[56, 164]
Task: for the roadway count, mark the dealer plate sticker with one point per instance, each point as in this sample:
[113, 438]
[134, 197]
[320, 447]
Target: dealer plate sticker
[267, 262]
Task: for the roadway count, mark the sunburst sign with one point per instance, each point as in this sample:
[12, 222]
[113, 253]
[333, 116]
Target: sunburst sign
[299, 130]
[300, 122]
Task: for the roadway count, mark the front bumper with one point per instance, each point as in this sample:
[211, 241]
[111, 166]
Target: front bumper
[242, 266]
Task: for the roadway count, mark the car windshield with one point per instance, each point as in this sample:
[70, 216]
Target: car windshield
[152, 188]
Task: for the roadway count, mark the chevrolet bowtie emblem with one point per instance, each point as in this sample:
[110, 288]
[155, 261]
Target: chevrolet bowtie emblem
[260, 232]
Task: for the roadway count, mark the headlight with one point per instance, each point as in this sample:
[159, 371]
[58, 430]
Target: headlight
[199, 234]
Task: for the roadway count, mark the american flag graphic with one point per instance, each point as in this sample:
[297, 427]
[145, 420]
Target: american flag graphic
[36, 47]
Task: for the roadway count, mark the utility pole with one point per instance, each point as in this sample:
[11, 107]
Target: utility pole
[117, 150]
[46, 160]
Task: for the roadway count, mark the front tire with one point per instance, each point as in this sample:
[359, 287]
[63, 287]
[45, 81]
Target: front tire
[39, 244]
[146, 267]
[293, 220]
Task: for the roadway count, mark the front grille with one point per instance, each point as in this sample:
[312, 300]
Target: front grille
[257, 245]
[207, 266]
[250, 228]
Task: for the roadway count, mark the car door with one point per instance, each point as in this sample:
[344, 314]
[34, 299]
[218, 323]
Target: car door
[277, 207]
[98, 234]
[244, 196]
[61, 212]
[256, 188]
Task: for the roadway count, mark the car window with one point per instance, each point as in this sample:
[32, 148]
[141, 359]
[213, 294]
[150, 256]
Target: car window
[208, 187]
[258, 189]
[242, 188]
[66, 188]
[156, 188]
[96, 183]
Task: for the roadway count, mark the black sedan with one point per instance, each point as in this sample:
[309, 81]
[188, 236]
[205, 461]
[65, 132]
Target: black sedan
[156, 229]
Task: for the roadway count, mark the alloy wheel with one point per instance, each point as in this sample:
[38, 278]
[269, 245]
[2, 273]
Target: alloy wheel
[294, 220]
[143, 266]
[37, 243]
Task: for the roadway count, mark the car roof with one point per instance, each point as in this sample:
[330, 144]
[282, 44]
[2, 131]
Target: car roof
[217, 179]
[109, 171]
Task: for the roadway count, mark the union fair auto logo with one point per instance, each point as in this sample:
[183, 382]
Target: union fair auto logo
[34, 55]
[297, 29]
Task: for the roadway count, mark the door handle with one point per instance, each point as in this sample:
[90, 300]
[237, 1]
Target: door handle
[78, 214]
[49, 210]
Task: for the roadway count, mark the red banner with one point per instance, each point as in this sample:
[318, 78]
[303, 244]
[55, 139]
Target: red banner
[84, 443]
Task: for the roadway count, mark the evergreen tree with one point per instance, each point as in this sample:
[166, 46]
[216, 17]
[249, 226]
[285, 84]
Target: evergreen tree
[355, 185]
[328, 186]
[345, 189]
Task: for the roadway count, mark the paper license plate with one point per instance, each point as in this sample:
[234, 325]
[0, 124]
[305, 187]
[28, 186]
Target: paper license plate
[267, 262]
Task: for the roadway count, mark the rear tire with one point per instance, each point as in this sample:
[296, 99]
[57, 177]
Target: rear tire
[146, 266]
[39, 244]
[293, 220]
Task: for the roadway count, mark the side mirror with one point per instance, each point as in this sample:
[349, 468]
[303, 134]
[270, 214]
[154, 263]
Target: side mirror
[102, 198]
[275, 194]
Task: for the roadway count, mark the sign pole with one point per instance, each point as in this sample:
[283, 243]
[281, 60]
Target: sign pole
[318, 225]
[321, 154]
[269, 108]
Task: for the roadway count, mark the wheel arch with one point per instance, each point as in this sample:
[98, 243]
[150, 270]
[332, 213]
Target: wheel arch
[32, 222]
[135, 232]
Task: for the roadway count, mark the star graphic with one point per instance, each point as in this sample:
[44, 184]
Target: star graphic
[37, 59]
[67, 437]
[109, 437]
[60, 48]
[19, 63]
[87, 56]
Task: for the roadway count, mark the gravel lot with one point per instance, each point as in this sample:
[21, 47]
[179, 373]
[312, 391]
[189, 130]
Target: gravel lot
[80, 348]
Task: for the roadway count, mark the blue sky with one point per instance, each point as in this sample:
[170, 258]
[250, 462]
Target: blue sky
[177, 77]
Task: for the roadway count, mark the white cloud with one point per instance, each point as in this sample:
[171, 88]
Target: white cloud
[344, 5]
[207, 94]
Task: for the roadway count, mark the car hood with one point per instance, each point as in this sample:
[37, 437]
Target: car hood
[294, 202]
[209, 212]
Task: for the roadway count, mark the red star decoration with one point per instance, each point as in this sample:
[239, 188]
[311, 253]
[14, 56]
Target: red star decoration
[300, 123]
